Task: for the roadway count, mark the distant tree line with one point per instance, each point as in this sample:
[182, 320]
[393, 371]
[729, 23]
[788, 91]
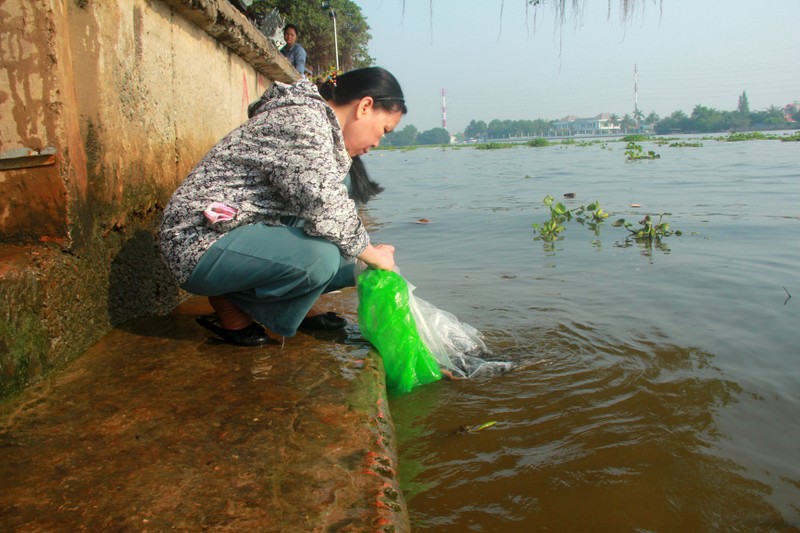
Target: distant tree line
[410, 136]
[702, 120]
[500, 129]
[707, 120]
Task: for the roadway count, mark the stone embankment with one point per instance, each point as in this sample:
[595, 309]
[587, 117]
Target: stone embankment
[160, 427]
[117, 413]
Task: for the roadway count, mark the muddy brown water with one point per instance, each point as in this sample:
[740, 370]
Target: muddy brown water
[658, 389]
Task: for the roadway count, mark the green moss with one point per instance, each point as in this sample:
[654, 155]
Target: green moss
[23, 350]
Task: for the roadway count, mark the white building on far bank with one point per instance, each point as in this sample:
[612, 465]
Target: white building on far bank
[599, 125]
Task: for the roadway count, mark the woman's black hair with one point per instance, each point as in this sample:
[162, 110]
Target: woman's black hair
[292, 26]
[362, 188]
[375, 82]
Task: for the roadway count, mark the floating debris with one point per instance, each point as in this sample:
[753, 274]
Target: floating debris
[464, 430]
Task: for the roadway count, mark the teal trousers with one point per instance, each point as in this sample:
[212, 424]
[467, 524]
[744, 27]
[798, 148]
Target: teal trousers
[272, 273]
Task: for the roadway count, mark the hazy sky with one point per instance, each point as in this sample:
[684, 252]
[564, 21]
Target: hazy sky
[504, 65]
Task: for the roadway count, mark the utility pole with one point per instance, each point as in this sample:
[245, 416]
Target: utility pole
[635, 96]
[444, 111]
[327, 5]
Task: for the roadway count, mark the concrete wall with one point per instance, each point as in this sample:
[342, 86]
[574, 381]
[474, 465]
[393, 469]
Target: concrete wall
[104, 107]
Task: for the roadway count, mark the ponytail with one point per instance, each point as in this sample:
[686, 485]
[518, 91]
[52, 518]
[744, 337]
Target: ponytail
[362, 188]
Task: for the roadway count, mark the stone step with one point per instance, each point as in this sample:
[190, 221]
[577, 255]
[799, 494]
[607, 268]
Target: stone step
[160, 426]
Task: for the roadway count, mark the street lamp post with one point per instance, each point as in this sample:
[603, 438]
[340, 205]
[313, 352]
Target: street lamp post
[327, 5]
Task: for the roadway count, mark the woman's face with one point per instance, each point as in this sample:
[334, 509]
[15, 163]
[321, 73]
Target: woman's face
[367, 125]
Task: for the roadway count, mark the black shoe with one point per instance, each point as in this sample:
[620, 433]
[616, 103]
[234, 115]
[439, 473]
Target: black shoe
[252, 335]
[327, 321]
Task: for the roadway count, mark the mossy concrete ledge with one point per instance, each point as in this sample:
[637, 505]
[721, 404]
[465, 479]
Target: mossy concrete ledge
[159, 427]
[106, 106]
[116, 414]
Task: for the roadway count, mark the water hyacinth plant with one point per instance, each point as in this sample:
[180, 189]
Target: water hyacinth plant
[648, 234]
[635, 152]
[549, 231]
[647, 231]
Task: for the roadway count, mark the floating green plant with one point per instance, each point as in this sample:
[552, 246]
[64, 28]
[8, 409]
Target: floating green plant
[591, 216]
[494, 146]
[748, 136]
[537, 142]
[685, 145]
[593, 212]
[648, 234]
[647, 229]
[635, 137]
[549, 231]
[635, 152]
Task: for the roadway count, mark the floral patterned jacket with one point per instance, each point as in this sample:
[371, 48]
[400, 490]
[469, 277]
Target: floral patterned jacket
[289, 160]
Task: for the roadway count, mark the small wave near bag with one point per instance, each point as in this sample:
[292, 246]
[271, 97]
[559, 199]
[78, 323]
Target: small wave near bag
[417, 341]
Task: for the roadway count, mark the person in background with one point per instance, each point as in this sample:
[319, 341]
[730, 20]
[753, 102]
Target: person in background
[264, 224]
[292, 51]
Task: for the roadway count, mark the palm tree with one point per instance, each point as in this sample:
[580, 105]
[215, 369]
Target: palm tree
[638, 117]
[626, 122]
[614, 118]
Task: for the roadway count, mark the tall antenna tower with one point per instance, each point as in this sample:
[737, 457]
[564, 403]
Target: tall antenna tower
[635, 96]
[444, 111]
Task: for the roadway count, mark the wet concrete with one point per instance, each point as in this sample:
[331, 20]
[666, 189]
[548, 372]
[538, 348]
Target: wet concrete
[159, 426]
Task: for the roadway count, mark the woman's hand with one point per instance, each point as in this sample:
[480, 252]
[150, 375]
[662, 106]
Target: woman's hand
[380, 257]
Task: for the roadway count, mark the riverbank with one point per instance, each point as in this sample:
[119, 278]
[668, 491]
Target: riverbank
[90, 158]
[159, 426]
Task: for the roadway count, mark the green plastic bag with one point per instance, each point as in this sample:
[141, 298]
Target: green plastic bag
[386, 321]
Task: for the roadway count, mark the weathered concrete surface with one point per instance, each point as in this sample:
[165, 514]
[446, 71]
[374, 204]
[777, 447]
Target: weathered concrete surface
[159, 427]
[129, 95]
[53, 305]
[125, 96]
[155, 427]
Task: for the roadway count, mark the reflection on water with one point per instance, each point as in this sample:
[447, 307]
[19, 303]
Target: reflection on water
[657, 386]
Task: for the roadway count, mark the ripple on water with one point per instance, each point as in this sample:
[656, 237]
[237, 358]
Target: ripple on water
[655, 388]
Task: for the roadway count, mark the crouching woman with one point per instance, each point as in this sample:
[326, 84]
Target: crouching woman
[264, 225]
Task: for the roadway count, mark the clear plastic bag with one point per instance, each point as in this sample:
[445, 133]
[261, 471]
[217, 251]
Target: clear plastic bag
[417, 341]
[457, 346]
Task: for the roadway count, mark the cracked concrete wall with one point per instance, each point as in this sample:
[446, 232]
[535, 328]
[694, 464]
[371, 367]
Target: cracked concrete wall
[104, 107]
[130, 93]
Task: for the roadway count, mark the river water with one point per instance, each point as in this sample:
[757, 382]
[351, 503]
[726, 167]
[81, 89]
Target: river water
[657, 389]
